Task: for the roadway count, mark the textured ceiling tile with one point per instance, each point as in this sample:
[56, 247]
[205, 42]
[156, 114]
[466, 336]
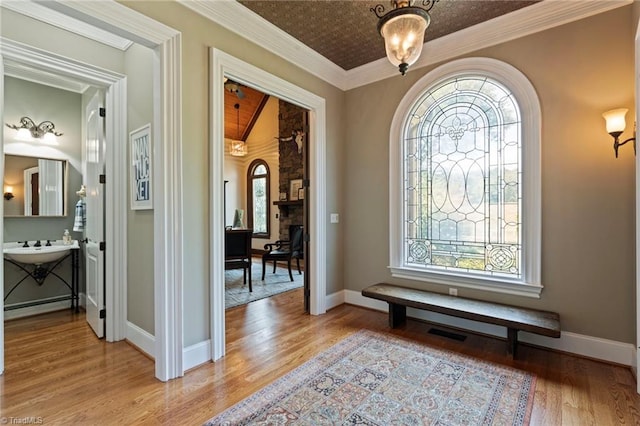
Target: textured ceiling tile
[345, 31]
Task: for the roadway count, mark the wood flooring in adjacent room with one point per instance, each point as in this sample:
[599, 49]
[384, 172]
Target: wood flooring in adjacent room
[57, 371]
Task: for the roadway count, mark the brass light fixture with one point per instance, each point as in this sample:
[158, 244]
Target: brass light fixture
[27, 130]
[615, 126]
[403, 30]
[238, 147]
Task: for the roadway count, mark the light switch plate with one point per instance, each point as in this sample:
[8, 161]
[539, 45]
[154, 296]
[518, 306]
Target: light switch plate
[335, 218]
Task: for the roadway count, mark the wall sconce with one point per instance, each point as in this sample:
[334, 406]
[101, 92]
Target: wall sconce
[27, 130]
[615, 127]
[403, 30]
[8, 192]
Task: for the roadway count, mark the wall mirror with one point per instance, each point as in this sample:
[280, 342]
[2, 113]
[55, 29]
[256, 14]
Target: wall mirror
[37, 186]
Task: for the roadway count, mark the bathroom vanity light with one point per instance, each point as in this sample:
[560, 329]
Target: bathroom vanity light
[28, 130]
[8, 192]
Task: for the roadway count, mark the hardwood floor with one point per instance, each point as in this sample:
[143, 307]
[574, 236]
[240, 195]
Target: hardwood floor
[57, 371]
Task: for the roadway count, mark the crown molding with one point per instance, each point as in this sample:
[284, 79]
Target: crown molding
[529, 20]
[41, 13]
[242, 21]
[538, 17]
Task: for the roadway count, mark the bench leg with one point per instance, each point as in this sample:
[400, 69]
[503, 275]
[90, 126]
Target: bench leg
[397, 315]
[512, 342]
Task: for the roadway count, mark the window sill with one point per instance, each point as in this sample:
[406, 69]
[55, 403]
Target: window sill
[491, 285]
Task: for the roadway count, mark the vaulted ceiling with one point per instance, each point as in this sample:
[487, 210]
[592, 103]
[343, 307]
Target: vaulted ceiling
[239, 121]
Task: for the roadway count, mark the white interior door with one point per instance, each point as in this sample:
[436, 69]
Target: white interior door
[94, 228]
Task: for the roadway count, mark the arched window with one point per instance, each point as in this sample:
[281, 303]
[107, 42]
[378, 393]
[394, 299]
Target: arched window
[465, 179]
[258, 198]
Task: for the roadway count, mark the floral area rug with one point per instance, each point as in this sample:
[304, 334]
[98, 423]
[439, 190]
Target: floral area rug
[376, 379]
[236, 293]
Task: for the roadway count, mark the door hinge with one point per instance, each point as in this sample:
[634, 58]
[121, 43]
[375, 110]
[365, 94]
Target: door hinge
[103, 246]
[306, 238]
[103, 313]
[103, 178]
[102, 112]
[305, 183]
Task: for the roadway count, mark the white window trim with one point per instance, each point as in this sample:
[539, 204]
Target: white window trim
[529, 104]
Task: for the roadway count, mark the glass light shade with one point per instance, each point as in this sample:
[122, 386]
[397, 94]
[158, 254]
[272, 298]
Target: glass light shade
[615, 120]
[403, 38]
[8, 188]
[238, 148]
[50, 138]
[23, 134]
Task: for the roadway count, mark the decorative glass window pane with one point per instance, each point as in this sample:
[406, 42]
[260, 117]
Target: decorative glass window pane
[260, 170]
[258, 198]
[260, 205]
[463, 180]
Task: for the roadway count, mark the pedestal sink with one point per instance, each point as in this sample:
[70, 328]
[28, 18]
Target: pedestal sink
[37, 255]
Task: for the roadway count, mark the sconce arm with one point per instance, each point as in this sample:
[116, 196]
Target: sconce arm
[617, 144]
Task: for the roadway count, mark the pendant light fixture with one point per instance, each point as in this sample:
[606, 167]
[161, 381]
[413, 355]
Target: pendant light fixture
[238, 147]
[403, 30]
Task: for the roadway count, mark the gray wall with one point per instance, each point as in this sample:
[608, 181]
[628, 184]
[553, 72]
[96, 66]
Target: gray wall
[63, 108]
[139, 70]
[579, 70]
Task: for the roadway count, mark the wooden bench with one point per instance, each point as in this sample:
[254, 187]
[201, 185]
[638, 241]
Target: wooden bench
[512, 317]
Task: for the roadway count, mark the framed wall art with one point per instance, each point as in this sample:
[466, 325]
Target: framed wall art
[141, 168]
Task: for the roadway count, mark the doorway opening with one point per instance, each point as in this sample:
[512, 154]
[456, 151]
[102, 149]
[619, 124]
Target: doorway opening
[36, 95]
[227, 66]
[166, 345]
[265, 166]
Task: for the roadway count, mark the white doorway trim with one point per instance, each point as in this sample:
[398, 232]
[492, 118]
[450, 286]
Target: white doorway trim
[2, 212]
[168, 248]
[636, 359]
[225, 65]
[167, 168]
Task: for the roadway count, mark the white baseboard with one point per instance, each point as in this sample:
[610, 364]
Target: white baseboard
[192, 356]
[38, 309]
[142, 339]
[579, 344]
[334, 299]
[197, 354]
